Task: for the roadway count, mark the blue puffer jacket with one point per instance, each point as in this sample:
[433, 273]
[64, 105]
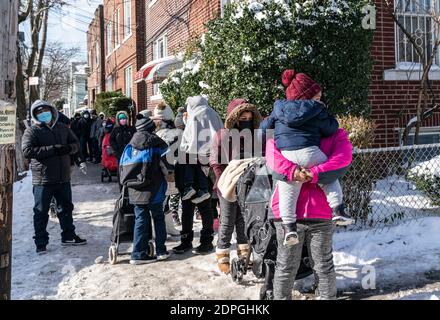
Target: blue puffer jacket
[299, 124]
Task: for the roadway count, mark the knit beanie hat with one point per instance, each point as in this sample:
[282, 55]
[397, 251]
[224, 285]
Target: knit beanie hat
[299, 86]
[109, 124]
[144, 123]
[163, 112]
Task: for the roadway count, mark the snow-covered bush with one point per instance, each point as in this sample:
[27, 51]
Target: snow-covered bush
[426, 178]
[245, 52]
[183, 83]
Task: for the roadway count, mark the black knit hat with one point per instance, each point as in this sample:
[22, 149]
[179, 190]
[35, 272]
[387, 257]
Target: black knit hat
[144, 123]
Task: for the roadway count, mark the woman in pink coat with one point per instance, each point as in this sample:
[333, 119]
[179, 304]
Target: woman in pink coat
[315, 226]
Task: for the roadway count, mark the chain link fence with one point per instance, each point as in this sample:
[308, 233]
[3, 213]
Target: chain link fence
[392, 185]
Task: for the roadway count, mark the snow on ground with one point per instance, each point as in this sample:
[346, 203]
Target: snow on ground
[398, 254]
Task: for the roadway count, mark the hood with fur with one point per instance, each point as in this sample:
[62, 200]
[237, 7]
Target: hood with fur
[41, 103]
[234, 115]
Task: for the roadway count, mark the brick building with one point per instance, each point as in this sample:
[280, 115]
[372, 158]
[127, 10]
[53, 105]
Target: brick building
[123, 47]
[395, 79]
[96, 57]
[171, 25]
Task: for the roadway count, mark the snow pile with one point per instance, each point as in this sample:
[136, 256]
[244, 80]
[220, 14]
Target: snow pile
[430, 168]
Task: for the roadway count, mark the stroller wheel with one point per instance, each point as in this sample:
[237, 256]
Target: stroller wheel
[237, 270]
[266, 294]
[113, 254]
[151, 248]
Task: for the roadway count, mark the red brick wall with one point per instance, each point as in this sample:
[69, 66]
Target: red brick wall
[95, 80]
[393, 102]
[130, 52]
[180, 20]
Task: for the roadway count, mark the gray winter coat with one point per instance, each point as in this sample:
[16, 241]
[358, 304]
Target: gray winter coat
[38, 145]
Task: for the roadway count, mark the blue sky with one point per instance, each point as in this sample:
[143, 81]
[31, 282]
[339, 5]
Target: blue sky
[69, 25]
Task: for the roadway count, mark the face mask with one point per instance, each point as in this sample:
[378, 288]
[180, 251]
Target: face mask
[86, 116]
[246, 124]
[45, 117]
[123, 122]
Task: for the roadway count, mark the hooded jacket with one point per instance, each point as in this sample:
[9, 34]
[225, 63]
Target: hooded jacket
[223, 150]
[121, 135]
[38, 145]
[299, 124]
[312, 202]
[145, 179]
[202, 124]
[84, 126]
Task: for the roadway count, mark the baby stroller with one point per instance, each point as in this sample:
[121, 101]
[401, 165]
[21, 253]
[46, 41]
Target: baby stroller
[123, 227]
[254, 191]
[109, 161]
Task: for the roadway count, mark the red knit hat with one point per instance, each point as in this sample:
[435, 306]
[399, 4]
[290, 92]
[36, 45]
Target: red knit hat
[299, 86]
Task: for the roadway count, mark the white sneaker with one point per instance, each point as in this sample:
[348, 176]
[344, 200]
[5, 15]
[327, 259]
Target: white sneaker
[165, 256]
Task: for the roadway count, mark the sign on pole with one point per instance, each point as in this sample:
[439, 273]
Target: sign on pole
[7, 122]
[33, 81]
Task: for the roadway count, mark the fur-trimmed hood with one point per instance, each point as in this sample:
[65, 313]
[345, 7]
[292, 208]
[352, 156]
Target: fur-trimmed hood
[234, 115]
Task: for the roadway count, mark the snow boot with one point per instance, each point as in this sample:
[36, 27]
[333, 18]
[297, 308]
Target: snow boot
[243, 251]
[223, 260]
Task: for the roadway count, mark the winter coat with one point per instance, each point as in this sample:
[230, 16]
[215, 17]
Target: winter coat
[121, 136]
[223, 150]
[312, 202]
[84, 127]
[108, 159]
[94, 129]
[145, 180]
[74, 126]
[200, 117]
[299, 124]
[38, 145]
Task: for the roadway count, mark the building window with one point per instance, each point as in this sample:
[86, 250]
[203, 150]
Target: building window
[96, 54]
[416, 18]
[109, 84]
[109, 38]
[127, 19]
[128, 81]
[116, 27]
[160, 49]
[156, 89]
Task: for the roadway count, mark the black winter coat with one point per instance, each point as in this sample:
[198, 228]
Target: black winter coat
[120, 137]
[84, 127]
[38, 146]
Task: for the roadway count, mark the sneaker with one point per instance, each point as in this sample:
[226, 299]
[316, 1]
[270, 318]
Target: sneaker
[41, 249]
[204, 248]
[76, 241]
[163, 256]
[340, 217]
[183, 247]
[145, 260]
[201, 196]
[188, 193]
[290, 234]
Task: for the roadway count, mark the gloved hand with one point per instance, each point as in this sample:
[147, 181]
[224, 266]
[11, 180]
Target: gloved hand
[83, 167]
[62, 150]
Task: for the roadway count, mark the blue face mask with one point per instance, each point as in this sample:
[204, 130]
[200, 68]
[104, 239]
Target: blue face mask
[45, 117]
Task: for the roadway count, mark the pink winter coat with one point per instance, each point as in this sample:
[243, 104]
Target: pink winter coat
[312, 202]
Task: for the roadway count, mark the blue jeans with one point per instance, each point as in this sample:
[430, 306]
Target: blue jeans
[43, 197]
[142, 229]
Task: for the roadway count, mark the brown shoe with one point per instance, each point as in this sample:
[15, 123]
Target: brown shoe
[223, 260]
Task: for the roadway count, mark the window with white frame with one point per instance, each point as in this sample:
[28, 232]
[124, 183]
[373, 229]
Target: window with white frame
[109, 37]
[109, 84]
[427, 135]
[128, 81]
[416, 17]
[127, 19]
[116, 27]
[156, 89]
[160, 49]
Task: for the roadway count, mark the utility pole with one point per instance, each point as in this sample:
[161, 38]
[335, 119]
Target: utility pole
[8, 118]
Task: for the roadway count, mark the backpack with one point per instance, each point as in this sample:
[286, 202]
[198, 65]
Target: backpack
[135, 169]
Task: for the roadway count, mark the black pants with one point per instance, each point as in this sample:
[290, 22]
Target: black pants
[95, 150]
[43, 197]
[195, 175]
[207, 232]
[84, 143]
